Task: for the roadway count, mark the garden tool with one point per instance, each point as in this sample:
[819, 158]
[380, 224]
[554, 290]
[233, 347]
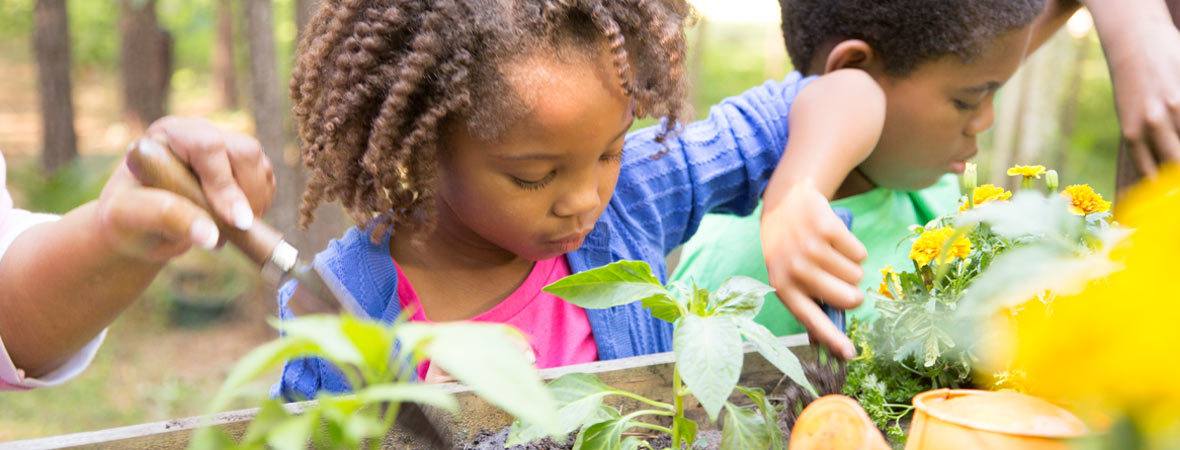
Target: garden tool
[317, 291]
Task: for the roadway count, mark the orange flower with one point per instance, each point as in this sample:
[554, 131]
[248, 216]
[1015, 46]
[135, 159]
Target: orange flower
[889, 277]
[1083, 200]
[930, 243]
[987, 193]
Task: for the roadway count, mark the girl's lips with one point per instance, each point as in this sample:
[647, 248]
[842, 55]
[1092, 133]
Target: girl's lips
[958, 167]
[570, 242]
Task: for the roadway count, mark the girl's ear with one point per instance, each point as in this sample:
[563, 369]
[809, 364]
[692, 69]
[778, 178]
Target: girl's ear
[851, 54]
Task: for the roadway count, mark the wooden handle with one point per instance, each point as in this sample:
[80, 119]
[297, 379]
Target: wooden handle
[155, 165]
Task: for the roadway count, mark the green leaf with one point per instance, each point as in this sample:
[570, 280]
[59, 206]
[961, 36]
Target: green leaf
[632, 443]
[417, 393]
[618, 283]
[769, 415]
[271, 415]
[709, 356]
[663, 307]
[261, 359]
[375, 342]
[295, 433]
[579, 400]
[687, 429]
[774, 352]
[602, 436]
[486, 357]
[741, 296]
[210, 438]
[744, 429]
[326, 332]
[363, 426]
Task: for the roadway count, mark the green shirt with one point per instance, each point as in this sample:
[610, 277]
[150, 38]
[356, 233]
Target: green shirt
[726, 245]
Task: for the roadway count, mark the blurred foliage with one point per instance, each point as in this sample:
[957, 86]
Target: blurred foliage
[78, 182]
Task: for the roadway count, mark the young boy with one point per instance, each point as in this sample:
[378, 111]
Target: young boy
[939, 64]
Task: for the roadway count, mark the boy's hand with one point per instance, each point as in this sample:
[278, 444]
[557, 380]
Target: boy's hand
[811, 255]
[155, 225]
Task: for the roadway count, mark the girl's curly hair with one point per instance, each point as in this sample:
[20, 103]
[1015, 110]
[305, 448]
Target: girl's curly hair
[377, 82]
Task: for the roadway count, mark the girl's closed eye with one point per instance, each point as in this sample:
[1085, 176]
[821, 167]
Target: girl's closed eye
[533, 185]
[612, 157]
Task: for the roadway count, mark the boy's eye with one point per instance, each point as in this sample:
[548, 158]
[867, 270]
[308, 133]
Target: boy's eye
[964, 106]
[534, 185]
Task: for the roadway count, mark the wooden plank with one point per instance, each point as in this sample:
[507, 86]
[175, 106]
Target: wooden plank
[648, 375]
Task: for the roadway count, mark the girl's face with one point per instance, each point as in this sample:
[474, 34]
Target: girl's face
[537, 190]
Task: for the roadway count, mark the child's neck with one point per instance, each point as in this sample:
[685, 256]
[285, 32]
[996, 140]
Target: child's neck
[855, 183]
[457, 276]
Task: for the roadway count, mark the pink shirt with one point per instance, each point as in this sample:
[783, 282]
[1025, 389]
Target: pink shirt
[559, 332]
[12, 223]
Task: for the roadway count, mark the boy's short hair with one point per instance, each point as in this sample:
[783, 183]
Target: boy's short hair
[904, 33]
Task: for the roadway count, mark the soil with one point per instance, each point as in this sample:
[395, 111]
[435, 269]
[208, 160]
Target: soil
[787, 396]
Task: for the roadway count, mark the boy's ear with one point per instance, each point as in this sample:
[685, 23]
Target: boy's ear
[851, 54]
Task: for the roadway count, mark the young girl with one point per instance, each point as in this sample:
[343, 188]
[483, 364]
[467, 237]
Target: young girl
[481, 145]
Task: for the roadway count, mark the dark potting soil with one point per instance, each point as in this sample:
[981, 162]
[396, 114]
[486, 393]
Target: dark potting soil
[827, 379]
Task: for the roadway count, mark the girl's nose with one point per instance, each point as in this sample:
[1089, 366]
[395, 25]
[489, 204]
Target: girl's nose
[581, 200]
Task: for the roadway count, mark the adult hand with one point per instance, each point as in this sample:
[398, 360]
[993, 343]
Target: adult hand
[1143, 51]
[810, 254]
[155, 225]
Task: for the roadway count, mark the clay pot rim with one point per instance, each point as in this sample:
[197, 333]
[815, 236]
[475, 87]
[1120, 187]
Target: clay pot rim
[920, 404]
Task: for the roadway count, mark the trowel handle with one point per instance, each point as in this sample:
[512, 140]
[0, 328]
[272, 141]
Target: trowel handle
[156, 166]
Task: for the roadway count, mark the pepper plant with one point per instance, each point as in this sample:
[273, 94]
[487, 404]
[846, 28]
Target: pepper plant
[707, 345]
[379, 361]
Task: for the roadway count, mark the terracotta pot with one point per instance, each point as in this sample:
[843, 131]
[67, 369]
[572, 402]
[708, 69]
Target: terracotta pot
[972, 419]
[835, 422]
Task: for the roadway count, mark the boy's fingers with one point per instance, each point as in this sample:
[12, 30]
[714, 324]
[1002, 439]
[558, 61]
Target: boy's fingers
[252, 170]
[819, 328]
[841, 238]
[833, 262]
[202, 145]
[834, 291]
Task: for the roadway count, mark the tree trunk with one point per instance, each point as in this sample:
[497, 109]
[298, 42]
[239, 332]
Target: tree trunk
[268, 119]
[1127, 174]
[225, 76]
[146, 57]
[51, 43]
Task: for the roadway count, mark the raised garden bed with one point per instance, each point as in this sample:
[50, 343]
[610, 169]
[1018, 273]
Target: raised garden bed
[648, 375]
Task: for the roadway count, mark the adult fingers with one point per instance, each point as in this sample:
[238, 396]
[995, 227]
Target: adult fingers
[1165, 143]
[202, 145]
[819, 328]
[157, 224]
[252, 170]
[1141, 154]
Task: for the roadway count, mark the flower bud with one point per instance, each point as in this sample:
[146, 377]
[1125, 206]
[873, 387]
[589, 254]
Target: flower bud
[1051, 181]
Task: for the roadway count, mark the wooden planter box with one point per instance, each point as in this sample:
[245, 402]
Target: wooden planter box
[649, 375]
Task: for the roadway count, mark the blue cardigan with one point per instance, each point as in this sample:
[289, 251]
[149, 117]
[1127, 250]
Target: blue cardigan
[720, 164]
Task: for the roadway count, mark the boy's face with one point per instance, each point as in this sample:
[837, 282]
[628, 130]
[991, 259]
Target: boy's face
[538, 189]
[934, 114]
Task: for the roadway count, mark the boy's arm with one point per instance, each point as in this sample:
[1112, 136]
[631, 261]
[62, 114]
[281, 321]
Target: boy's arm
[835, 123]
[62, 282]
[1142, 48]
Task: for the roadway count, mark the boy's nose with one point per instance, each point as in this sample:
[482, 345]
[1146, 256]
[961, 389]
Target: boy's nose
[983, 120]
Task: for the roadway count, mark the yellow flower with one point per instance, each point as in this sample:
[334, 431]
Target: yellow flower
[928, 245]
[987, 193]
[1027, 171]
[1112, 347]
[889, 277]
[1083, 200]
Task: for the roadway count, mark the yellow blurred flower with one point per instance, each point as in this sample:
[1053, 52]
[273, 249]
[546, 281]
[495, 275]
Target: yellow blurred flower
[930, 243]
[1027, 171]
[987, 193]
[889, 277]
[1112, 348]
[1083, 200]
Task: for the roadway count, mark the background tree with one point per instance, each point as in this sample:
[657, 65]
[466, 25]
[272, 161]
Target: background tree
[51, 43]
[146, 60]
[225, 76]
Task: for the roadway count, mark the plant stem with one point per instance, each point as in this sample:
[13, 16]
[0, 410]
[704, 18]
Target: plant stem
[678, 399]
[644, 400]
[652, 426]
